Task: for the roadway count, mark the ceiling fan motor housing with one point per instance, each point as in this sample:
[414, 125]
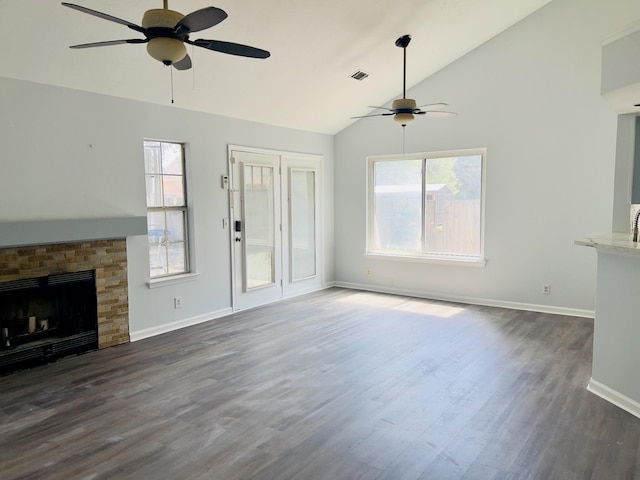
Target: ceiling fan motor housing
[404, 108]
[166, 49]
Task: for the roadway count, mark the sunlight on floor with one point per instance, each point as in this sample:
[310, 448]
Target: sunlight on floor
[433, 309]
[423, 307]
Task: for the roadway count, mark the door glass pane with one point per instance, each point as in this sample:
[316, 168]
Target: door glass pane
[259, 226]
[397, 212]
[303, 224]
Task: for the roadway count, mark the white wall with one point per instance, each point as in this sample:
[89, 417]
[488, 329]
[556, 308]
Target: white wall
[532, 97]
[71, 154]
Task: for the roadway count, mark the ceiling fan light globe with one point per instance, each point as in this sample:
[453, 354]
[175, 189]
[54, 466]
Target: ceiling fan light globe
[166, 50]
[403, 118]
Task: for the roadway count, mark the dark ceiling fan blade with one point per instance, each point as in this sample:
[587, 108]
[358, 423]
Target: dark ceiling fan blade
[381, 108]
[105, 16]
[375, 115]
[109, 43]
[435, 113]
[231, 48]
[184, 64]
[201, 20]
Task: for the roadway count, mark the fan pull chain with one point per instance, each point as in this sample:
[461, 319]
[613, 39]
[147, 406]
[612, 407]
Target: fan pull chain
[193, 68]
[404, 131]
[171, 84]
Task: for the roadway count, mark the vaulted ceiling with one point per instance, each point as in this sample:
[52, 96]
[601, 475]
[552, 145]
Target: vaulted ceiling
[306, 84]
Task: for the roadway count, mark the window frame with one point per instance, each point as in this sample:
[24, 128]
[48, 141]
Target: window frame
[424, 256]
[187, 273]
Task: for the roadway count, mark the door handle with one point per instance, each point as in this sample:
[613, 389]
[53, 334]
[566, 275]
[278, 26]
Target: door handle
[238, 239]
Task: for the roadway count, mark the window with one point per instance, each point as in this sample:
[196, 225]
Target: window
[166, 208]
[427, 205]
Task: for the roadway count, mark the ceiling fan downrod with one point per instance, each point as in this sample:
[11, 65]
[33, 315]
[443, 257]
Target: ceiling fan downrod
[403, 42]
[404, 107]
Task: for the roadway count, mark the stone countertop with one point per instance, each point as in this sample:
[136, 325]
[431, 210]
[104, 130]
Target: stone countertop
[611, 242]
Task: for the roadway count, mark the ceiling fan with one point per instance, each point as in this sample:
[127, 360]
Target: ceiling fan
[166, 31]
[403, 109]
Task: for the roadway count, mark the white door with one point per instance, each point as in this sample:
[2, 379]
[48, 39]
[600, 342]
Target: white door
[301, 224]
[256, 228]
[275, 225]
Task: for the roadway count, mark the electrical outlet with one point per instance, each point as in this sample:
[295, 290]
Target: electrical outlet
[369, 272]
[177, 302]
[546, 289]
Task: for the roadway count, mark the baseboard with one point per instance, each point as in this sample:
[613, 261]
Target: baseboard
[615, 397]
[170, 327]
[153, 331]
[488, 302]
[304, 291]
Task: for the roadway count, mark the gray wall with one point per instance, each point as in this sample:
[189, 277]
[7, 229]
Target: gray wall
[68, 154]
[620, 67]
[532, 97]
[624, 172]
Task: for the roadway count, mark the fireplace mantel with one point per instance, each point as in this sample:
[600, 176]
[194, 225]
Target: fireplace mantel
[43, 232]
[35, 248]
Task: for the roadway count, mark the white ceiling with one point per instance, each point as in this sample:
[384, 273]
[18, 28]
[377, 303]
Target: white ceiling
[315, 46]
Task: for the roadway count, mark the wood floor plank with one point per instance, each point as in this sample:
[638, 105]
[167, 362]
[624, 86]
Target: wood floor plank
[338, 384]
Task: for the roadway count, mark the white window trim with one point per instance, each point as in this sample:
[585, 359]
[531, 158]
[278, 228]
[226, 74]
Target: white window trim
[458, 260]
[432, 259]
[172, 280]
[190, 273]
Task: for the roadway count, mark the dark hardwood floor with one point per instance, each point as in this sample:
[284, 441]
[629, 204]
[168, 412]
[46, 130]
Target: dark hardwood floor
[337, 384]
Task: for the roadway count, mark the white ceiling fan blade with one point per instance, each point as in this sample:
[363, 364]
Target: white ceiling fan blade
[434, 105]
[437, 113]
[381, 108]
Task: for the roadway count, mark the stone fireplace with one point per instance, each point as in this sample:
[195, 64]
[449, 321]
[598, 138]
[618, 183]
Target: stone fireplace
[107, 258]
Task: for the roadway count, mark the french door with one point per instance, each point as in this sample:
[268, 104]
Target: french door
[275, 227]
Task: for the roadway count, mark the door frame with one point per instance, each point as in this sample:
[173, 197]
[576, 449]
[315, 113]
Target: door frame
[287, 160]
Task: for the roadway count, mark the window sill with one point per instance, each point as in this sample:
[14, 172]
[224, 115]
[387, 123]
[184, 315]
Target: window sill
[436, 260]
[172, 280]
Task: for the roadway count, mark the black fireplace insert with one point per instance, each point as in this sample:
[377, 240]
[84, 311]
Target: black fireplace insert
[45, 318]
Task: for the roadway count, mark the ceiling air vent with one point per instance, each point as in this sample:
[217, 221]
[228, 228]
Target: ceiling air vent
[359, 75]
